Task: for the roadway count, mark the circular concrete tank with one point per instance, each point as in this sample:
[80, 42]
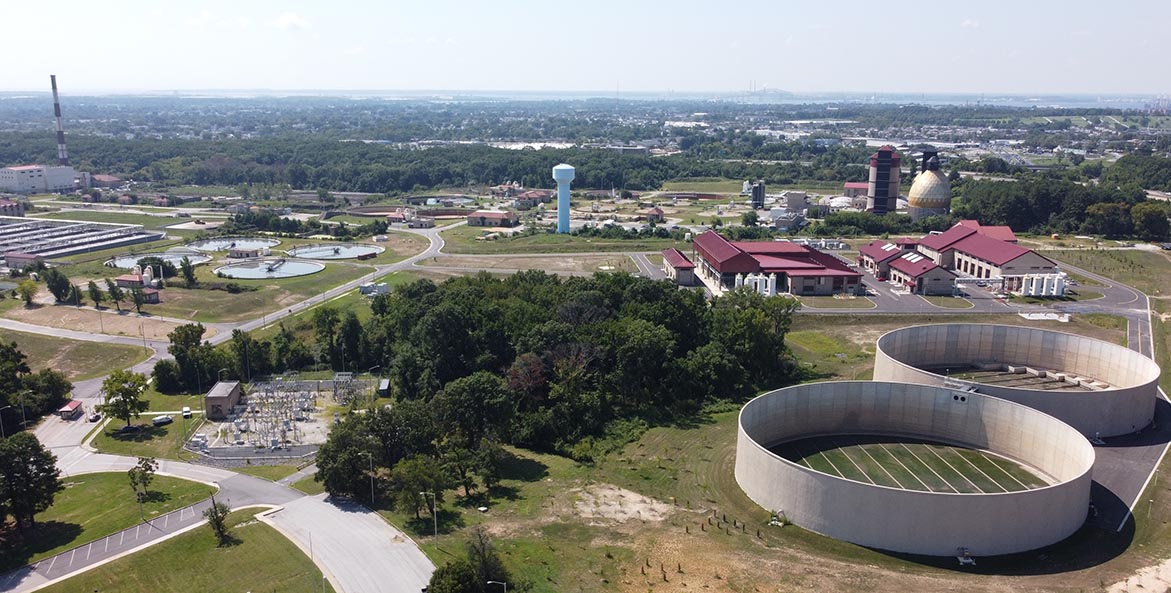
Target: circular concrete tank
[915, 522]
[1099, 388]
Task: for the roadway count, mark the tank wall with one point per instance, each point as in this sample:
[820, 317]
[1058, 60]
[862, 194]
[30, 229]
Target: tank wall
[908, 521]
[904, 355]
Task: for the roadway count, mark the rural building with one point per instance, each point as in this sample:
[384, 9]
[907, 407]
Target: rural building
[130, 281]
[18, 260]
[421, 223]
[653, 215]
[11, 208]
[218, 402]
[921, 275]
[772, 267]
[247, 252]
[678, 267]
[105, 181]
[150, 296]
[493, 218]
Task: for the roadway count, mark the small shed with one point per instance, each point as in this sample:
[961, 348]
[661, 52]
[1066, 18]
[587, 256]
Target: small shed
[70, 409]
[218, 402]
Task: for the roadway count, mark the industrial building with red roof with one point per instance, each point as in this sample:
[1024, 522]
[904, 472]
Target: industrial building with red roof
[772, 267]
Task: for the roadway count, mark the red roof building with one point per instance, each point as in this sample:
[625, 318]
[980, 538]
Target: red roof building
[772, 267]
[921, 275]
[493, 218]
[678, 267]
[1001, 233]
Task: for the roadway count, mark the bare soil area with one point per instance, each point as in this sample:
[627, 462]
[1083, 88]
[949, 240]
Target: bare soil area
[87, 320]
[551, 263]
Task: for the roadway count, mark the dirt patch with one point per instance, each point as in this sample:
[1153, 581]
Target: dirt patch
[604, 504]
[563, 263]
[89, 320]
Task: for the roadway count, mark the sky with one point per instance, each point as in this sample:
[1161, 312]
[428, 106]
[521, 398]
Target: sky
[608, 46]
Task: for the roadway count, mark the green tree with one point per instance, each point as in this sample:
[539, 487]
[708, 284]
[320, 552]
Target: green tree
[28, 291]
[749, 218]
[115, 292]
[217, 519]
[1150, 221]
[413, 476]
[138, 298]
[141, 476]
[325, 324]
[456, 576]
[168, 378]
[29, 478]
[188, 270]
[57, 283]
[74, 296]
[122, 391]
[95, 294]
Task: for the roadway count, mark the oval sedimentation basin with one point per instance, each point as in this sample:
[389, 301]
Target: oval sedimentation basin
[226, 243]
[335, 251]
[259, 269]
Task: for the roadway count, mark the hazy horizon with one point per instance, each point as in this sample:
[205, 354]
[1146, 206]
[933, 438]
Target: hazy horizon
[608, 48]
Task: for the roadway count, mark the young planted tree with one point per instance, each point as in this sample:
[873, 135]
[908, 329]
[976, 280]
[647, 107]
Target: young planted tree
[95, 294]
[217, 519]
[141, 476]
[123, 393]
[115, 292]
[74, 296]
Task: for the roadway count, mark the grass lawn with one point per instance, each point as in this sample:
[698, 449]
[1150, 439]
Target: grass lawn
[825, 302]
[77, 359]
[93, 506]
[147, 221]
[163, 442]
[268, 472]
[210, 306]
[462, 239]
[948, 302]
[309, 486]
[1074, 294]
[261, 560]
[709, 185]
[1148, 271]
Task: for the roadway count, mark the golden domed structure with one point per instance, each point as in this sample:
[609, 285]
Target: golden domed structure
[930, 193]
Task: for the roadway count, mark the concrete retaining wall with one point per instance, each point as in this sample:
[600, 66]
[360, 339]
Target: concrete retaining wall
[1127, 405]
[929, 523]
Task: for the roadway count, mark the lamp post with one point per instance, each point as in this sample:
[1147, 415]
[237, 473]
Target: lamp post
[434, 514]
[2, 434]
[374, 392]
[371, 456]
[220, 375]
[501, 583]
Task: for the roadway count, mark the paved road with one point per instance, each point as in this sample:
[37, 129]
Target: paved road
[350, 540]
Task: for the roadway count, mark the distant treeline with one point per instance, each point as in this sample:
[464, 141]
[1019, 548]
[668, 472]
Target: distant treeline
[304, 162]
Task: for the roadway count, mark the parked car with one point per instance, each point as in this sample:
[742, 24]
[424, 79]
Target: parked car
[186, 411]
[162, 420]
[94, 417]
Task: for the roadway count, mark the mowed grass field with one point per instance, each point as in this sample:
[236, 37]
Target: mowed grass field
[462, 239]
[261, 560]
[93, 506]
[77, 359]
[910, 464]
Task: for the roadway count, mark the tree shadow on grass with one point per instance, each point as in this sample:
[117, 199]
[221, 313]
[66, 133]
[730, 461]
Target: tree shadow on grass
[155, 496]
[523, 469]
[449, 521]
[230, 541]
[17, 548]
[143, 433]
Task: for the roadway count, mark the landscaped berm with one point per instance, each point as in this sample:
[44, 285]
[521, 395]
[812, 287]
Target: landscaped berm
[914, 468]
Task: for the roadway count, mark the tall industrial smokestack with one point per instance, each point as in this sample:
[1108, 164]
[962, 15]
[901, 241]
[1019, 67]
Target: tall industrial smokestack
[62, 152]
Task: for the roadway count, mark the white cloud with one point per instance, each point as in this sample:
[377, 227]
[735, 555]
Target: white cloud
[290, 21]
[353, 50]
[970, 24]
[199, 20]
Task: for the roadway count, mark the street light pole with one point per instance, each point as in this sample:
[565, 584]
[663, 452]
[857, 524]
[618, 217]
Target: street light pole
[2, 434]
[501, 583]
[371, 456]
[434, 514]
